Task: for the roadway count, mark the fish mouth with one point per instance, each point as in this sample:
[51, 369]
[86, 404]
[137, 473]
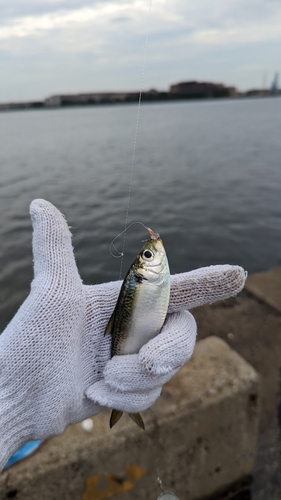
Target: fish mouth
[153, 235]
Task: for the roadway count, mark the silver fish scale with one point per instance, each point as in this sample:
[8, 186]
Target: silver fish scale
[148, 316]
[142, 307]
[122, 314]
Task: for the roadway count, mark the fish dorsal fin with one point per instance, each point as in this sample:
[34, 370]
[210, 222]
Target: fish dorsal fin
[110, 324]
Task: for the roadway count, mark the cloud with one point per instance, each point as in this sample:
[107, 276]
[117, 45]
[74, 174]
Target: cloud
[96, 16]
[23, 8]
[37, 24]
[214, 22]
[72, 40]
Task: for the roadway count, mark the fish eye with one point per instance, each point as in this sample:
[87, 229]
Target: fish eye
[148, 255]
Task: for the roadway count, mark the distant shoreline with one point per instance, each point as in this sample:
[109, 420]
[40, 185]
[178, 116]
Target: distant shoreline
[190, 90]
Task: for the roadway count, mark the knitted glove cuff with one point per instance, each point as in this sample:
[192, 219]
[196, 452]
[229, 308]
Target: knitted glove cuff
[16, 429]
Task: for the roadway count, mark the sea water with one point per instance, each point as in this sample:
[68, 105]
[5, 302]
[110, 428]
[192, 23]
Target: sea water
[207, 177]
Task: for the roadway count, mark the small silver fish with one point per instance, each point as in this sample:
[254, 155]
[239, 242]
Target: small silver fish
[141, 307]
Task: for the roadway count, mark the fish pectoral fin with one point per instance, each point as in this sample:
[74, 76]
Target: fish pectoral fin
[110, 324]
[139, 277]
[114, 417]
[137, 418]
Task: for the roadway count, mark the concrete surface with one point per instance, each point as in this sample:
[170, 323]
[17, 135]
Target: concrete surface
[252, 326]
[200, 439]
[267, 287]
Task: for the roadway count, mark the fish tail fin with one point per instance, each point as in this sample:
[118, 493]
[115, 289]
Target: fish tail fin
[114, 417]
[137, 418]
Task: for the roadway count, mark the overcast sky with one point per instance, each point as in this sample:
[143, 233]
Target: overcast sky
[69, 46]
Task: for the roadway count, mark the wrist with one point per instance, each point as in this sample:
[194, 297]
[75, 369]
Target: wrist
[15, 430]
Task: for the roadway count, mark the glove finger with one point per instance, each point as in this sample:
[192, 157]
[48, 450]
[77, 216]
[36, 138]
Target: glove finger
[172, 347]
[205, 285]
[130, 402]
[192, 289]
[158, 360]
[126, 373]
[52, 247]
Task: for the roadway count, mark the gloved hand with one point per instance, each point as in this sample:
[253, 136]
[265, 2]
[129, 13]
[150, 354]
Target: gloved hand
[55, 366]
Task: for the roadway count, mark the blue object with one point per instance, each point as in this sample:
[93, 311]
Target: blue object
[23, 452]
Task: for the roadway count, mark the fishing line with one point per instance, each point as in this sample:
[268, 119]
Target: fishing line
[121, 254]
[135, 140]
[126, 227]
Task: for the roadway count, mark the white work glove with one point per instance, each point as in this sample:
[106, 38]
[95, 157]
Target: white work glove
[55, 366]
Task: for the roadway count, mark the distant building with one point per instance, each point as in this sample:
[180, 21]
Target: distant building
[84, 99]
[182, 90]
[15, 106]
[53, 102]
[194, 89]
[256, 93]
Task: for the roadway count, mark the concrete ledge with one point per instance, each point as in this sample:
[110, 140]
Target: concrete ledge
[266, 287]
[200, 439]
